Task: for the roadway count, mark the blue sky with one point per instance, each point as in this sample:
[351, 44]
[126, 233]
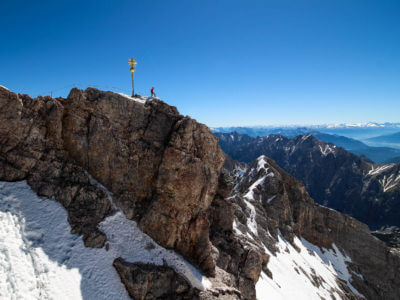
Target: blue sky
[222, 62]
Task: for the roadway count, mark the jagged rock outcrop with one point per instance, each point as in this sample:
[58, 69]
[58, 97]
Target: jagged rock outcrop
[161, 167]
[333, 176]
[268, 202]
[164, 172]
[390, 235]
[144, 281]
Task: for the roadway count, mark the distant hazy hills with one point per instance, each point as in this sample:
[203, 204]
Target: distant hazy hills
[381, 154]
[360, 131]
[391, 140]
[376, 154]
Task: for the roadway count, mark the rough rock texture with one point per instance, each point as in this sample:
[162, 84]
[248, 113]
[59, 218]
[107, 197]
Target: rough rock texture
[390, 235]
[164, 172]
[161, 167]
[235, 255]
[144, 281]
[283, 204]
[333, 176]
[31, 148]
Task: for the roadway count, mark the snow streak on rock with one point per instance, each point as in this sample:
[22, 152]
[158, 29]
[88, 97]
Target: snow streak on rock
[299, 270]
[309, 274]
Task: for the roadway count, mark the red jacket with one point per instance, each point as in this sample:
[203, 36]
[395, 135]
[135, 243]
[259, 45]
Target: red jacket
[152, 90]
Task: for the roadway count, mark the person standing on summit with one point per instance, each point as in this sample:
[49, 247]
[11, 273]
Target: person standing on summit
[152, 92]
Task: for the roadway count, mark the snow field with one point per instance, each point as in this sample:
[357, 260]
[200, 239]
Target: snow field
[41, 259]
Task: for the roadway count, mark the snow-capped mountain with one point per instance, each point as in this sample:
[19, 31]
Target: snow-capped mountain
[333, 177]
[359, 131]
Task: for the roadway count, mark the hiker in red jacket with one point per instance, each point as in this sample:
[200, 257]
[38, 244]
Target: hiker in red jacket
[152, 92]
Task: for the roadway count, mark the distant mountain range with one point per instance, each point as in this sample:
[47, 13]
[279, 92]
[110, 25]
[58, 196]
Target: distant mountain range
[376, 154]
[359, 131]
[391, 140]
[333, 176]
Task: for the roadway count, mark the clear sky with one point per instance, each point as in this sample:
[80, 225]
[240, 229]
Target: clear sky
[222, 62]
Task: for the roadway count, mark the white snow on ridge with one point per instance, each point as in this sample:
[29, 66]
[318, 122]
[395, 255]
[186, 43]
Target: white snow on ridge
[327, 150]
[261, 162]
[379, 169]
[250, 195]
[134, 98]
[293, 271]
[43, 260]
[251, 221]
[4, 87]
[387, 182]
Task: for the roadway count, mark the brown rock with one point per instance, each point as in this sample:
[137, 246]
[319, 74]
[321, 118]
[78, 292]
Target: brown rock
[145, 281]
[161, 167]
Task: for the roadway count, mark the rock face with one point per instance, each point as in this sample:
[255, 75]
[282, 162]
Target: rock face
[333, 177]
[164, 172]
[267, 202]
[390, 235]
[144, 281]
[31, 148]
[161, 167]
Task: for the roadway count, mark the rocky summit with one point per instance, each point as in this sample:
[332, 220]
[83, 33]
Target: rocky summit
[146, 189]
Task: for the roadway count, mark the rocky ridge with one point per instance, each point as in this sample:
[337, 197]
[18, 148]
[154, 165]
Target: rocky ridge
[161, 167]
[270, 206]
[164, 172]
[334, 177]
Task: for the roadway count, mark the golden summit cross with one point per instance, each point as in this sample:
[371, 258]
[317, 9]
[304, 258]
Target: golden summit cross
[132, 62]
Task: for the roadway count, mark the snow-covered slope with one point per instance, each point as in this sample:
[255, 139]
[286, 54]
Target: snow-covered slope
[298, 269]
[41, 259]
[307, 273]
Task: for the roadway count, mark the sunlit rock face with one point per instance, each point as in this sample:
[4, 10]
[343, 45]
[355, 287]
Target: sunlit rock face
[161, 167]
[144, 184]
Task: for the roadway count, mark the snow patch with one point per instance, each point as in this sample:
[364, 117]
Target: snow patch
[140, 100]
[387, 182]
[308, 274]
[271, 198]
[251, 221]
[41, 259]
[249, 196]
[379, 169]
[127, 241]
[261, 162]
[326, 150]
[4, 87]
